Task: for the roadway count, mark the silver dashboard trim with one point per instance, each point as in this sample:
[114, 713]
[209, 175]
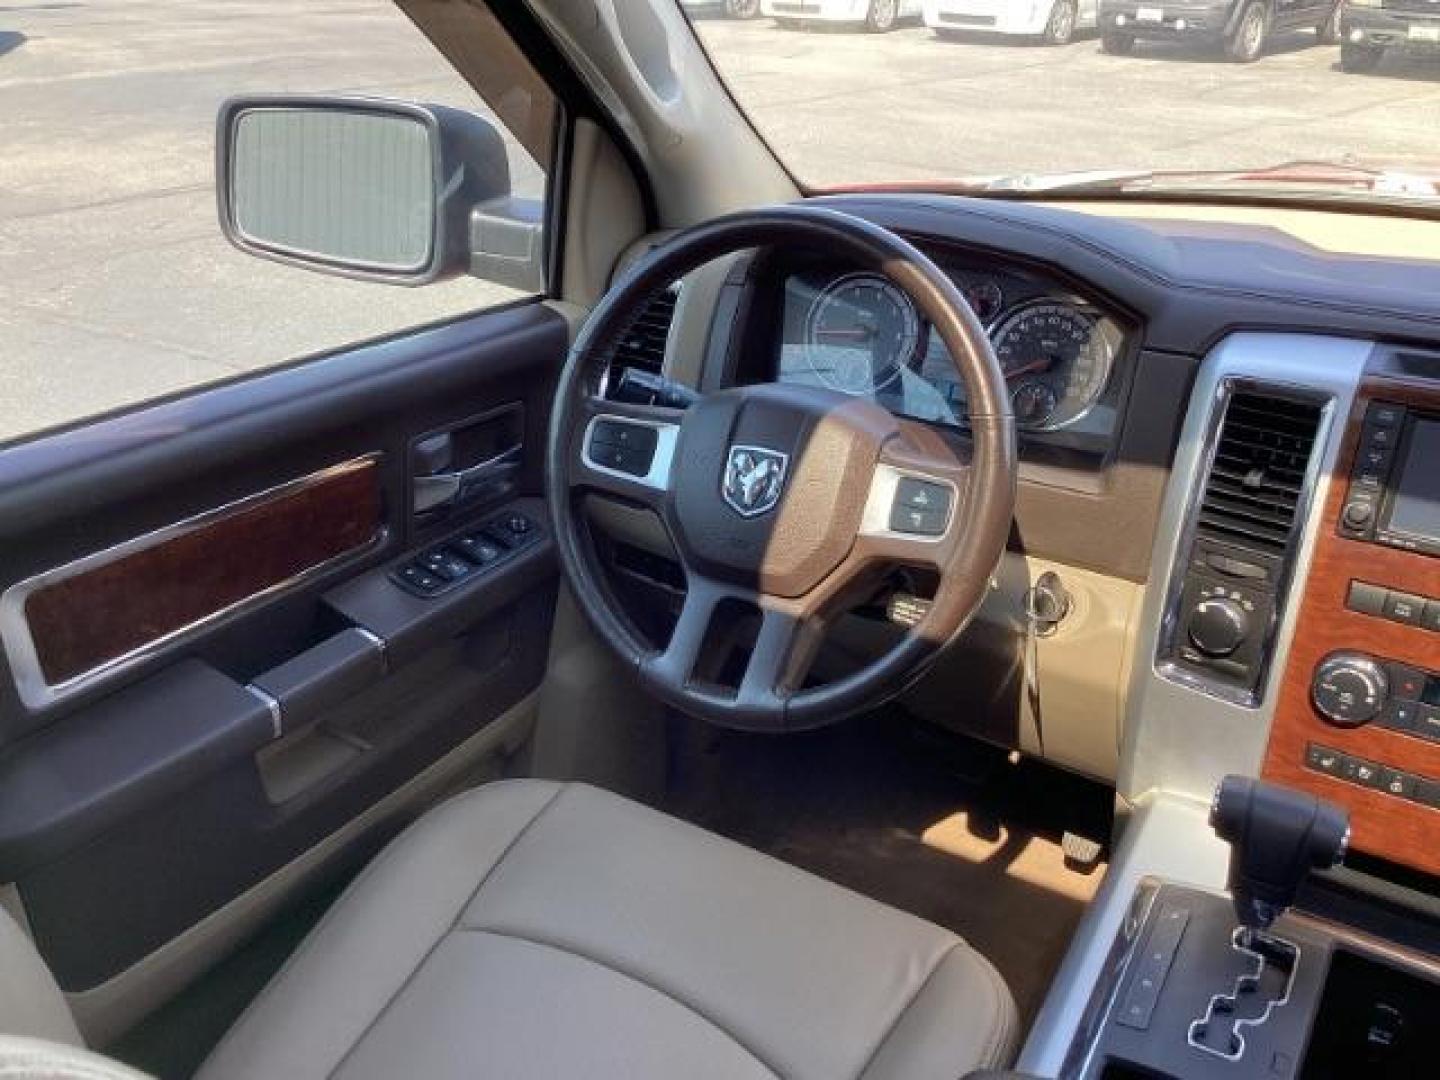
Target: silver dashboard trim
[272, 705]
[1167, 665]
[19, 645]
[1178, 737]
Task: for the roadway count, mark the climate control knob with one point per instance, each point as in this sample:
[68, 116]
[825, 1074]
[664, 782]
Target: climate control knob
[1218, 626]
[1349, 689]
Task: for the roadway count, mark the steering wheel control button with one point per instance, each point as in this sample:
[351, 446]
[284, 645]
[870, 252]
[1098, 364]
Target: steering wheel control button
[921, 507]
[624, 447]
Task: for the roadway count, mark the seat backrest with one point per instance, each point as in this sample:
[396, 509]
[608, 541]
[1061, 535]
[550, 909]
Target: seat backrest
[30, 1002]
[40, 1059]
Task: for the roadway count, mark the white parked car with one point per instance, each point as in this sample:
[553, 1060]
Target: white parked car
[1051, 21]
[878, 16]
[735, 9]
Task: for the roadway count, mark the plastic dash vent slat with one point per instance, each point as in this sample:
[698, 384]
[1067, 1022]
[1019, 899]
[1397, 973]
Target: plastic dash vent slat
[642, 345]
[1253, 489]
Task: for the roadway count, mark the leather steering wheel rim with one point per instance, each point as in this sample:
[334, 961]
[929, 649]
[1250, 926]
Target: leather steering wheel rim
[792, 605]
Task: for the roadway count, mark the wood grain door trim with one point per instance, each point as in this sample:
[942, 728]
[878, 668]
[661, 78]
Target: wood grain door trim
[66, 628]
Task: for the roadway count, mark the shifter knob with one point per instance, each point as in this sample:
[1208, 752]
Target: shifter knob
[1276, 836]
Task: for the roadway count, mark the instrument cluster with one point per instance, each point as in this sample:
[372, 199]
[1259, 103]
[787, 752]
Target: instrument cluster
[859, 333]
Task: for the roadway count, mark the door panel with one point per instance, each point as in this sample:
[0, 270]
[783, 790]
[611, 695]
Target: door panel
[225, 668]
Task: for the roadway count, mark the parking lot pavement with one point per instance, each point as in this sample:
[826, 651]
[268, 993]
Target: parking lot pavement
[115, 284]
[849, 107]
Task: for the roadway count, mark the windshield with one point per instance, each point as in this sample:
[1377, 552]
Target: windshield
[1300, 97]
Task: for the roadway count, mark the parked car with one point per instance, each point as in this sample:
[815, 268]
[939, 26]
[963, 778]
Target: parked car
[1051, 21]
[877, 16]
[1240, 27]
[735, 9]
[1369, 27]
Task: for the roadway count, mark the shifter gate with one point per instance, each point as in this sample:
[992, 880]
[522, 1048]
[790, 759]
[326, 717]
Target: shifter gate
[1254, 997]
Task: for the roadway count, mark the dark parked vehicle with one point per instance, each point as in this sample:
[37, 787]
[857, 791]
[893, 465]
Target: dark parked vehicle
[1240, 27]
[1369, 27]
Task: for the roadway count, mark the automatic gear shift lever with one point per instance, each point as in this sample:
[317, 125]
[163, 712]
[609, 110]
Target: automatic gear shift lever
[1276, 836]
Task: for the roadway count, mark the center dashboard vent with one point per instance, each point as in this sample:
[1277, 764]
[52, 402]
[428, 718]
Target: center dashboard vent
[642, 345]
[1256, 479]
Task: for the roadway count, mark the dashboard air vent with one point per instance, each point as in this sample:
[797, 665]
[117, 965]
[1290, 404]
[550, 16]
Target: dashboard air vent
[642, 345]
[1259, 470]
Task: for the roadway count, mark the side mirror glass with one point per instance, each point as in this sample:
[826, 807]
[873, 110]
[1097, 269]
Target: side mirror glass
[381, 190]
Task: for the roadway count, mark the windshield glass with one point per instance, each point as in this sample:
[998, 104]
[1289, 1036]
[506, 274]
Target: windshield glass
[1249, 96]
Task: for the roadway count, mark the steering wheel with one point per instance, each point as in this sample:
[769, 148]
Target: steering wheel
[788, 500]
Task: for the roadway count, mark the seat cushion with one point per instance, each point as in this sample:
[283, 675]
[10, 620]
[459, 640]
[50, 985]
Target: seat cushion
[531, 928]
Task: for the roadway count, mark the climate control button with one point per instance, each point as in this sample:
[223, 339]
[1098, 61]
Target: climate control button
[1349, 689]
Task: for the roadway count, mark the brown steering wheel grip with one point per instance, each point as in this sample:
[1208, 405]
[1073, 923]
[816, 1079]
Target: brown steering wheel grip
[829, 534]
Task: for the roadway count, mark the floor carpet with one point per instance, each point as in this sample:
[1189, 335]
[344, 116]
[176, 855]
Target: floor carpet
[945, 828]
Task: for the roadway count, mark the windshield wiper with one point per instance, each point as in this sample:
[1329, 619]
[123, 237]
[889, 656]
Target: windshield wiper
[1337, 178]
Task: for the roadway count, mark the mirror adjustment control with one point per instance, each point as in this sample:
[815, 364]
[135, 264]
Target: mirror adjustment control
[1349, 689]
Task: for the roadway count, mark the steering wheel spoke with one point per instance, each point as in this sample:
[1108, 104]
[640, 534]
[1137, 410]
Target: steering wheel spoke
[785, 650]
[915, 510]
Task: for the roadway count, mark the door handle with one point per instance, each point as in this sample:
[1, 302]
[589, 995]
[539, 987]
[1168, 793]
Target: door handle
[436, 490]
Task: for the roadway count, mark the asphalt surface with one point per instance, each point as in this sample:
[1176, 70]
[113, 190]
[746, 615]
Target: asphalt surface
[116, 286]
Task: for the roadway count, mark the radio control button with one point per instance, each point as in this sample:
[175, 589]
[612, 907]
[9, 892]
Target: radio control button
[1401, 716]
[1367, 599]
[1405, 608]
[1394, 782]
[1427, 723]
[1349, 689]
[1384, 415]
[1406, 683]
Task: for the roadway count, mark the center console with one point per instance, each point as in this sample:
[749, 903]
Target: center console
[1357, 720]
[1202, 985]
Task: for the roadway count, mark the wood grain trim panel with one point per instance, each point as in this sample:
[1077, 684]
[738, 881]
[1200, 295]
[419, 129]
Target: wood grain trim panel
[106, 607]
[1383, 825]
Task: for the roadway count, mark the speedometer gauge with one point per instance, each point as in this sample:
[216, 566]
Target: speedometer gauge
[860, 332]
[1056, 358]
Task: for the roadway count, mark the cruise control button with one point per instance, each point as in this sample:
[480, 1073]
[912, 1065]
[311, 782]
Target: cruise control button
[641, 437]
[905, 519]
[922, 495]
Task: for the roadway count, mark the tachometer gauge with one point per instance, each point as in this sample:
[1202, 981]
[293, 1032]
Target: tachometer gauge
[860, 332]
[1056, 358]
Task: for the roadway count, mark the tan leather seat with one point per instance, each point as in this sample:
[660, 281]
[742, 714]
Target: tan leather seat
[535, 929]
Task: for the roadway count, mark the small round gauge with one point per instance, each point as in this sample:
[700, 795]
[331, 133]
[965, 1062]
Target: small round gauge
[1034, 402]
[985, 299]
[860, 332]
[1056, 358]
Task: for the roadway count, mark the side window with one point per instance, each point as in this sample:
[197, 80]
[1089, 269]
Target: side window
[117, 284]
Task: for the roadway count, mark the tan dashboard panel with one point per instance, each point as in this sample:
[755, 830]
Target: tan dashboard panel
[1082, 669]
[89, 614]
[1382, 824]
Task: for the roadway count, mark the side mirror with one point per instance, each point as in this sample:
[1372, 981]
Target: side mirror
[374, 189]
